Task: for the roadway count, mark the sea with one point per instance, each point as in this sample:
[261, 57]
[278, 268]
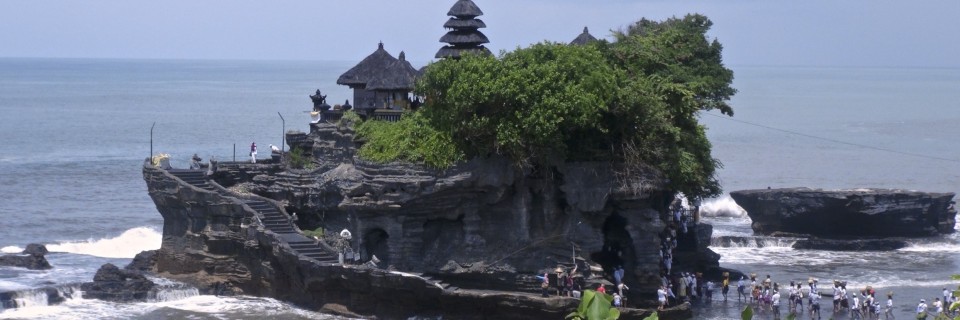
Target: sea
[75, 132]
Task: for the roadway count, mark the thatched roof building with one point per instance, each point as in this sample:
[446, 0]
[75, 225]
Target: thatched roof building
[368, 68]
[380, 81]
[399, 75]
[584, 38]
[464, 35]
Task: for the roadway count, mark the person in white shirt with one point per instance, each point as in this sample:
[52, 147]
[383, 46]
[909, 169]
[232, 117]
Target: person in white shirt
[775, 301]
[937, 306]
[922, 310]
[889, 313]
[836, 297]
[662, 297]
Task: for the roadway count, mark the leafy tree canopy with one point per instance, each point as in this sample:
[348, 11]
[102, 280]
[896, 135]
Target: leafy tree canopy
[635, 100]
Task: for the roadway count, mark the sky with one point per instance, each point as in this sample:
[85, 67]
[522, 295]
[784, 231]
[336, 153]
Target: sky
[854, 33]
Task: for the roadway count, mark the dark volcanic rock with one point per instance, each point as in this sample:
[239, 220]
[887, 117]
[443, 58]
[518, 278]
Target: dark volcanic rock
[846, 213]
[54, 295]
[851, 244]
[31, 258]
[483, 226]
[118, 285]
[145, 261]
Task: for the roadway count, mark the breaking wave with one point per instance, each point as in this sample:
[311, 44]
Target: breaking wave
[722, 207]
[126, 245]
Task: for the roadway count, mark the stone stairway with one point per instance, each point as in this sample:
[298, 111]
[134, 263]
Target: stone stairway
[311, 250]
[193, 177]
[270, 216]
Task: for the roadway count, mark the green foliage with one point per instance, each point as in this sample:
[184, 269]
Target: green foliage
[527, 105]
[299, 159]
[653, 316]
[349, 119]
[595, 306]
[747, 313]
[319, 232]
[635, 100]
[411, 139]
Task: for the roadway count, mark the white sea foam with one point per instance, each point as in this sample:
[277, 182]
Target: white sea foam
[126, 245]
[11, 249]
[751, 242]
[932, 247]
[722, 207]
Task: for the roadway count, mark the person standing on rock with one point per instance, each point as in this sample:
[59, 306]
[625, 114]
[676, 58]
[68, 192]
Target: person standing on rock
[662, 297]
[889, 312]
[253, 152]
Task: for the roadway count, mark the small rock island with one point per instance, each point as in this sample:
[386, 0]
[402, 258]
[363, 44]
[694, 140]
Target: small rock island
[865, 213]
[325, 227]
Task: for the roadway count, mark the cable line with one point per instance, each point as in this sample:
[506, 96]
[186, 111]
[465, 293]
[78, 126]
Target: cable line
[834, 140]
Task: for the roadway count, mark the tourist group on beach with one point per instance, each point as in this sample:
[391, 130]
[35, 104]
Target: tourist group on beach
[767, 296]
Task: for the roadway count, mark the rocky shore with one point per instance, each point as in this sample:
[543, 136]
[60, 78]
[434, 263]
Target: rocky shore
[466, 242]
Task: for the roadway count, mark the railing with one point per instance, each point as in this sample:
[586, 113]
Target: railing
[387, 115]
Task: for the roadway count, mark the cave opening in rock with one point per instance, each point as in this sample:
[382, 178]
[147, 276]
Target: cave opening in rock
[375, 243]
[617, 246]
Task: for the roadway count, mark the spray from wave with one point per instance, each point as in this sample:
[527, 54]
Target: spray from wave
[11, 249]
[722, 207]
[126, 245]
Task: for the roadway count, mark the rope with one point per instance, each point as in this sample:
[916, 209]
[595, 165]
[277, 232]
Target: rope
[918, 155]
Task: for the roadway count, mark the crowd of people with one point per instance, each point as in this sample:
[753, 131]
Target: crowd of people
[767, 296]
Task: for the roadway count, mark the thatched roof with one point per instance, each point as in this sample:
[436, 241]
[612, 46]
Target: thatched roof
[455, 23]
[399, 75]
[469, 36]
[583, 38]
[368, 68]
[465, 8]
[455, 52]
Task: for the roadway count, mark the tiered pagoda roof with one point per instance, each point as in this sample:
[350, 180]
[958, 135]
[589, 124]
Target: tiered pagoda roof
[464, 35]
[584, 38]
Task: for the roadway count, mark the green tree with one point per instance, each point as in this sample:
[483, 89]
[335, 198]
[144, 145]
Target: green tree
[529, 105]
[673, 73]
[634, 101]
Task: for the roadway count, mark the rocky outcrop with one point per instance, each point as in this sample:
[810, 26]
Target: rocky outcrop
[114, 284]
[484, 226]
[48, 295]
[31, 258]
[143, 262]
[848, 213]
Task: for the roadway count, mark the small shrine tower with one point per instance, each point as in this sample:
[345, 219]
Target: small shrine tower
[464, 35]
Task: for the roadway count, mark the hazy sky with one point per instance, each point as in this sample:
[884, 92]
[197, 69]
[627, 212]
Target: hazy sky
[877, 33]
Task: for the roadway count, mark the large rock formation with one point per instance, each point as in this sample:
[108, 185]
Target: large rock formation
[31, 258]
[849, 213]
[114, 284]
[481, 225]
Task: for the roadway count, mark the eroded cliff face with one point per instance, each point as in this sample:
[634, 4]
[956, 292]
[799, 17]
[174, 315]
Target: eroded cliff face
[483, 224]
[849, 213]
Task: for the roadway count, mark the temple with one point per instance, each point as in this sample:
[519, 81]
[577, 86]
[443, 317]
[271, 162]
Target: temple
[380, 81]
[464, 35]
[584, 38]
